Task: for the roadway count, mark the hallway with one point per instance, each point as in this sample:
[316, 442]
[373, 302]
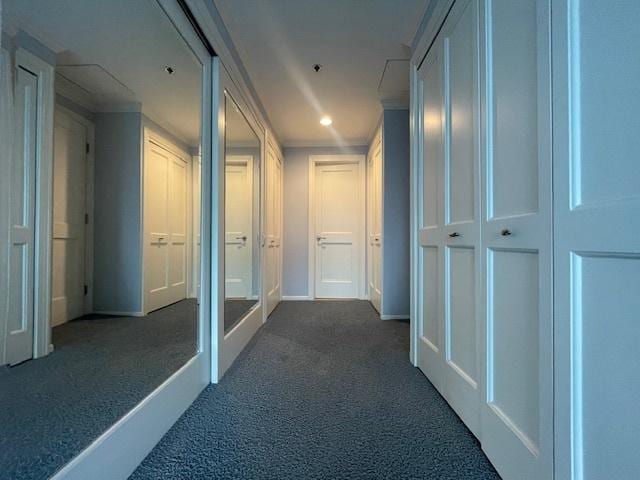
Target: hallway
[324, 390]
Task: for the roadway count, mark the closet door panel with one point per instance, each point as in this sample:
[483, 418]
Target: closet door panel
[516, 240]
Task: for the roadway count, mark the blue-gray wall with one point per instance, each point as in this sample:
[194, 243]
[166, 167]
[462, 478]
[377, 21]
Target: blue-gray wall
[395, 233]
[295, 241]
[118, 202]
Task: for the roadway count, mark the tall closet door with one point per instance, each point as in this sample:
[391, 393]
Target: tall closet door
[165, 209]
[451, 214]
[517, 415]
[597, 238]
[374, 167]
[19, 340]
[273, 227]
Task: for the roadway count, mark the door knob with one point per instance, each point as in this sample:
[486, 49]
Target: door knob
[505, 232]
[454, 235]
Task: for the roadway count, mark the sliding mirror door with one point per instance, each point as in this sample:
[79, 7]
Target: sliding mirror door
[240, 241]
[104, 303]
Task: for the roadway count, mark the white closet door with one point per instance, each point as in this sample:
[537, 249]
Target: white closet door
[238, 201]
[517, 415]
[165, 227]
[197, 224]
[69, 209]
[375, 223]
[19, 341]
[337, 211]
[273, 227]
[597, 238]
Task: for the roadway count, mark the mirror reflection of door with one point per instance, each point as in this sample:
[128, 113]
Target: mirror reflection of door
[242, 216]
[238, 227]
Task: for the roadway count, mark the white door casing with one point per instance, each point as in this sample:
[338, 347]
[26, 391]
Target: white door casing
[596, 183]
[165, 223]
[337, 218]
[273, 227]
[449, 342]
[19, 337]
[72, 144]
[517, 411]
[238, 237]
[374, 237]
[197, 223]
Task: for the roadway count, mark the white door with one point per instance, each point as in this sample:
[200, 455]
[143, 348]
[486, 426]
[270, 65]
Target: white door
[597, 238]
[375, 223]
[69, 209]
[19, 341]
[517, 414]
[450, 234]
[338, 218]
[273, 226]
[165, 227]
[238, 218]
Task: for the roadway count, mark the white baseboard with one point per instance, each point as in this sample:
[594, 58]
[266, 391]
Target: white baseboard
[296, 298]
[394, 317]
[118, 314]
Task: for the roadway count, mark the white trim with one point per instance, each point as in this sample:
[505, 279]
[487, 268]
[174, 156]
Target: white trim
[296, 298]
[415, 210]
[360, 160]
[89, 201]
[395, 317]
[436, 20]
[395, 103]
[325, 143]
[44, 199]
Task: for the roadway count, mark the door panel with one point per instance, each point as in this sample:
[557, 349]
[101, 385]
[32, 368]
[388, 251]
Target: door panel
[516, 241]
[337, 228]
[19, 341]
[177, 228]
[273, 226]
[375, 223]
[596, 231]
[69, 208]
[238, 225]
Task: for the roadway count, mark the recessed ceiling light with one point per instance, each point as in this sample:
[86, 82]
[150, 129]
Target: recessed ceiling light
[169, 70]
[326, 121]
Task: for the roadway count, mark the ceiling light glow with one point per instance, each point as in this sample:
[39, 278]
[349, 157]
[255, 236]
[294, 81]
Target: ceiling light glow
[326, 121]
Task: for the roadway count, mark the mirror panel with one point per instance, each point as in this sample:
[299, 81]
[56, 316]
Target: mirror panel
[242, 216]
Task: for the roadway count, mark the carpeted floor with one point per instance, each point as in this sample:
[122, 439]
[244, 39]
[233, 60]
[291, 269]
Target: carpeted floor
[324, 391]
[234, 310]
[52, 408]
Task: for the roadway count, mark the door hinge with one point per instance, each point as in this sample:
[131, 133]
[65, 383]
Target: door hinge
[86, 289]
[86, 219]
[87, 148]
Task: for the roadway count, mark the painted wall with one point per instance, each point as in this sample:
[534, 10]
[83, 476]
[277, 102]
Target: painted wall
[295, 274]
[117, 247]
[395, 233]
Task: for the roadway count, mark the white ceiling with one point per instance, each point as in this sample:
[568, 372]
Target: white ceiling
[280, 40]
[127, 45]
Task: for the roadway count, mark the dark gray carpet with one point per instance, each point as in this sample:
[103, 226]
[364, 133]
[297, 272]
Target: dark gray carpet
[234, 310]
[324, 391]
[52, 408]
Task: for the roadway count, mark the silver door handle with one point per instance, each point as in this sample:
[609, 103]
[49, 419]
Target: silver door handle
[454, 235]
[320, 238]
[505, 233]
[243, 238]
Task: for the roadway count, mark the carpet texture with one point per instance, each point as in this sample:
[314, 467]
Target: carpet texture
[234, 310]
[54, 407]
[324, 391]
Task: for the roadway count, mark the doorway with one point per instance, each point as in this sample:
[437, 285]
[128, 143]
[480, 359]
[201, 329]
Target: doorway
[336, 226]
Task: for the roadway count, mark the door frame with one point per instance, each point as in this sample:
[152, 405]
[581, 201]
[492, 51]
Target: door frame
[360, 160]
[89, 201]
[277, 152]
[152, 136]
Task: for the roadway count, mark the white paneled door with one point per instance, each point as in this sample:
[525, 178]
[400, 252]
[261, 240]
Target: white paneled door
[238, 241]
[338, 225]
[448, 346]
[165, 208]
[19, 341]
[517, 411]
[273, 228]
[374, 237]
[597, 238]
[69, 210]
